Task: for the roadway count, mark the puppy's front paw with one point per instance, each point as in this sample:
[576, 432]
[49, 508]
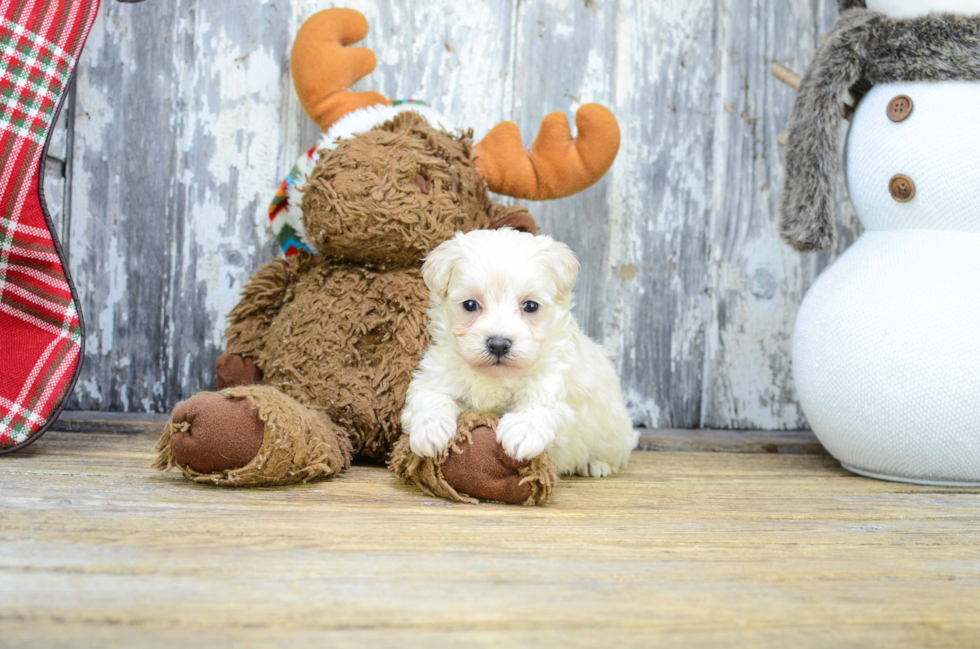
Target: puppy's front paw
[595, 469]
[431, 435]
[523, 435]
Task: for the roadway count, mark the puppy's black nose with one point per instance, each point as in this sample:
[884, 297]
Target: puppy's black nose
[498, 346]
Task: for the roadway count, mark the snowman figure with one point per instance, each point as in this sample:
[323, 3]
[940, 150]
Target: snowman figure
[886, 350]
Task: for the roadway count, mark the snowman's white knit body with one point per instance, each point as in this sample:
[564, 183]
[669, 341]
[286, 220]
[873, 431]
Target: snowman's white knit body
[886, 351]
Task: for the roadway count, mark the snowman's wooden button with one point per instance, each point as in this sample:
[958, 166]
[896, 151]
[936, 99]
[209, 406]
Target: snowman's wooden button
[901, 188]
[899, 108]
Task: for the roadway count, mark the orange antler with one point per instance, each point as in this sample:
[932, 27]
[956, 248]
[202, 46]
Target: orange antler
[556, 165]
[324, 68]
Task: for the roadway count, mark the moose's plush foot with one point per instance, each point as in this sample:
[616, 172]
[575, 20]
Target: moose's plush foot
[475, 466]
[212, 433]
[251, 436]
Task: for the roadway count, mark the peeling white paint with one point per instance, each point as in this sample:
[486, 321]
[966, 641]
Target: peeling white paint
[113, 302]
[236, 97]
[98, 276]
[564, 30]
[90, 388]
[642, 409]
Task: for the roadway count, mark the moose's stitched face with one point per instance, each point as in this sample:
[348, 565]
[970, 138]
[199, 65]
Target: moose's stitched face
[391, 195]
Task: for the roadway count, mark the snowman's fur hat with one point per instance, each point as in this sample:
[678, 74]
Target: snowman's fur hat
[863, 48]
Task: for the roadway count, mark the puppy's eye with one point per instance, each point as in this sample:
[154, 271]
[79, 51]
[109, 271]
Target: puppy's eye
[471, 305]
[530, 307]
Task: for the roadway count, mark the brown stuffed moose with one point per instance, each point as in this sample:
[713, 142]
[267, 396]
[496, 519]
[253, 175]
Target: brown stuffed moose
[321, 347]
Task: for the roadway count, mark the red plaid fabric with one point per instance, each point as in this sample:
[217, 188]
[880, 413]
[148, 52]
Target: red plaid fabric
[40, 326]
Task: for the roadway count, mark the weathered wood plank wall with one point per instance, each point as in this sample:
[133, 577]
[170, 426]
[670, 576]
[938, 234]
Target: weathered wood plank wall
[184, 120]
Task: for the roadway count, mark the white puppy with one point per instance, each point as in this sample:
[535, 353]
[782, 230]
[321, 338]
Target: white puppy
[504, 340]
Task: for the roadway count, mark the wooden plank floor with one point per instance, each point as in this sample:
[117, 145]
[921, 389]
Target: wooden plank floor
[686, 549]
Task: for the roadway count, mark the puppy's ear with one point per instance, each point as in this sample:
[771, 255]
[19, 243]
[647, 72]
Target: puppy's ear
[437, 269]
[562, 264]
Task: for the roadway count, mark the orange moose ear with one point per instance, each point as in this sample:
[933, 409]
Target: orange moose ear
[324, 68]
[557, 164]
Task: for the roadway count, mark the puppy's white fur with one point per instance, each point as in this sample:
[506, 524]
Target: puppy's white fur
[555, 389]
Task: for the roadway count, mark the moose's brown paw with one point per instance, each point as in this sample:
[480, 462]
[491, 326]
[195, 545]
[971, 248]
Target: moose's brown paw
[234, 370]
[475, 467]
[214, 433]
[482, 470]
